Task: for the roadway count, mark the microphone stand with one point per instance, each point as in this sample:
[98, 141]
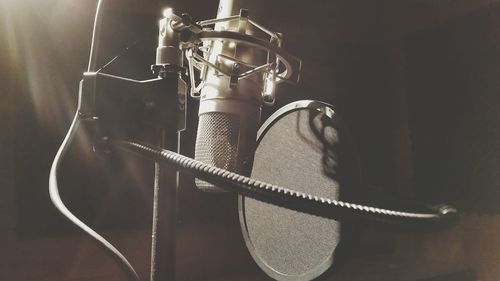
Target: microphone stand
[163, 239]
[163, 235]
[149, 110]
[152, 111]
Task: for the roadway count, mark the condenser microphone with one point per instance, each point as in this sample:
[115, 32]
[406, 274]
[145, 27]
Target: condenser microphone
[239, 63]
[230, 108]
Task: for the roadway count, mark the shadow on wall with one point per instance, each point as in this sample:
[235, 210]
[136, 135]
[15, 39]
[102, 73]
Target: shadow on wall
[454, 72]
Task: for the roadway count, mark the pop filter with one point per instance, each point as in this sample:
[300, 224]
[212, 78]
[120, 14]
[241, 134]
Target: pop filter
[306, 147]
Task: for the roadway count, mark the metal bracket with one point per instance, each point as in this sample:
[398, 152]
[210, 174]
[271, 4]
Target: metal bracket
[136, 106]
[280, 66]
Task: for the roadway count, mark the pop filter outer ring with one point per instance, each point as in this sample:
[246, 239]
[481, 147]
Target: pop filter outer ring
[287, 244]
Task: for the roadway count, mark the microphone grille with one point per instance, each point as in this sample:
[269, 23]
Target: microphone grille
[217, 143]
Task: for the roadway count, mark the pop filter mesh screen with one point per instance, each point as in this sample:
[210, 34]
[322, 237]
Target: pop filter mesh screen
[301, 150]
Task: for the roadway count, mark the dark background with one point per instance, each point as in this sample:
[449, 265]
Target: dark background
[416, 82]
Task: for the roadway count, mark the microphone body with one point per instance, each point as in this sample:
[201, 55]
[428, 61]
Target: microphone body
[230, 109]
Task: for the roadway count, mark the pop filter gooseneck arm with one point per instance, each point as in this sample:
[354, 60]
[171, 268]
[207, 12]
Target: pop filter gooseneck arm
[333, 209]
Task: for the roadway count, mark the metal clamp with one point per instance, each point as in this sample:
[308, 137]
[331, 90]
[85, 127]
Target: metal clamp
[198, 41]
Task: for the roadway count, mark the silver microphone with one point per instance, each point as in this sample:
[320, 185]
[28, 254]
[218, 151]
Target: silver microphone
[229, 113]
[238, 74]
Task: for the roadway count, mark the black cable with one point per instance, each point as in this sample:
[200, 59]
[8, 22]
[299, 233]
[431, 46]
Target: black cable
[121, 53]
[58, 203]
[96, 32]
[55, 197]
[284, 197]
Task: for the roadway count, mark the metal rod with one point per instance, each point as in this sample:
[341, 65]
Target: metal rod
[217, 20]
[163, 237]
